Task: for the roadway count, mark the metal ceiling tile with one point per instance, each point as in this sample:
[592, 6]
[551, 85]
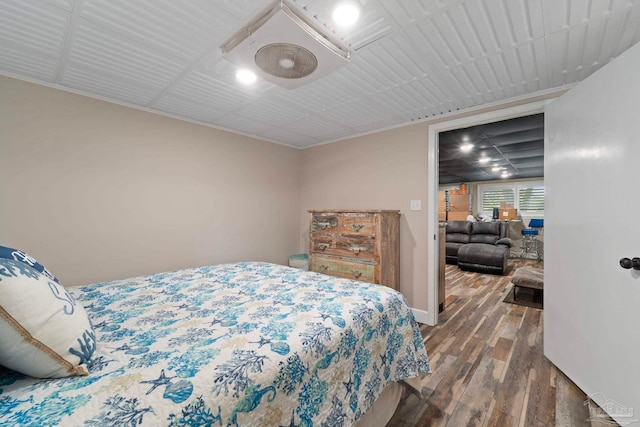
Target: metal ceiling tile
[379, 73]
[214, 68]
[113, 86]
[245, 124]
[529, 162]
[363, 113]
[347, 84]
[521, 154]
[318, 125]
[408, 65]
[240, 9]
[562, 14]
[530, 127]
[374, 25]
[377, 124]
[407, 12]
[411, 59]
[581, 49]
[423, 49]
[33, 25]
[426, 99]
[32, 37]
[517, 144]
[180, 30]
[63, 4]
[28, 64]
[288, 136]
[180, 107]
[271, 111]
[118, 56]
[313, 97]
[603, 37]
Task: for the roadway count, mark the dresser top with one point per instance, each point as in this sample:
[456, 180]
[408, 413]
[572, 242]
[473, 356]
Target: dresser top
[353, 211]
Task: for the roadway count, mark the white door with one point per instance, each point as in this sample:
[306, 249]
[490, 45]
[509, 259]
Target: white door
[592, 220]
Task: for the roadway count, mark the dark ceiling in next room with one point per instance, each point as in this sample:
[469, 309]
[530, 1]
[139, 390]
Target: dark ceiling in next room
[509, 149]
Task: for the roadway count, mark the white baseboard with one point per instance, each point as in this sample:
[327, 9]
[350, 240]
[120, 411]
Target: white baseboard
[422, 316]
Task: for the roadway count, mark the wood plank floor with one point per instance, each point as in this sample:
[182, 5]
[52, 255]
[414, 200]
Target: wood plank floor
[488, 364]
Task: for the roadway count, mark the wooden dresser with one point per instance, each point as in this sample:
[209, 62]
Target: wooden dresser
[356, 244]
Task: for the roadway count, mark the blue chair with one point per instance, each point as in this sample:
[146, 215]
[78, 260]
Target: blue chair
[530, 242]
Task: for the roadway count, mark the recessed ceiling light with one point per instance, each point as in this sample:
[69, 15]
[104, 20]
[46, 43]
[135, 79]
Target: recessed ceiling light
[346, 14]
[484, 160]
[496, 169]
[246, 77]
[505, 174]
[465, 148]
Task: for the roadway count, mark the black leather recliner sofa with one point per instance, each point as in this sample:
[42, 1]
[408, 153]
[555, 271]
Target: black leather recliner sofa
[478, 246]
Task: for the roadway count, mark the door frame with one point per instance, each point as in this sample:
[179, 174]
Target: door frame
[433, 182]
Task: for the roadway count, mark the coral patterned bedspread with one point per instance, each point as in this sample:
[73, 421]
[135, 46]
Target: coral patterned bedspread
[246, 344]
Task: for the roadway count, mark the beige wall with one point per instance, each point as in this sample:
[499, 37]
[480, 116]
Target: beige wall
[379, 171]
[98, 191]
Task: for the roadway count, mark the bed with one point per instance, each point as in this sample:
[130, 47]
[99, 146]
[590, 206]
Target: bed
[244, 344]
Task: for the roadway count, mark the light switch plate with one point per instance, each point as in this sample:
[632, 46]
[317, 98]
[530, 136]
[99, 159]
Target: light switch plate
[416, 205]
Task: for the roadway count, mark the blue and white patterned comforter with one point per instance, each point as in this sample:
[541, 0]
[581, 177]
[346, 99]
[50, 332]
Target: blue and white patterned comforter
[247, 344]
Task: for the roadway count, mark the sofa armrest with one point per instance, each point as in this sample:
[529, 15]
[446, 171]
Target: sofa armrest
[505, 241]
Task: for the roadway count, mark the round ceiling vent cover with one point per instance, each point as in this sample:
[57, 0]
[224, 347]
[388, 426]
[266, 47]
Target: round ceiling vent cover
[285, 60]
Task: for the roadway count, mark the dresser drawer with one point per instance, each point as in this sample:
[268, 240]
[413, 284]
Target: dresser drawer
[325, 223]
[346, 269]
[358, 224]
[323, 245]
[353, 247]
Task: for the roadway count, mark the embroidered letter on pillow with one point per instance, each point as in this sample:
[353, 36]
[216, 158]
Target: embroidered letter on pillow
[17, 255]
[45, 332]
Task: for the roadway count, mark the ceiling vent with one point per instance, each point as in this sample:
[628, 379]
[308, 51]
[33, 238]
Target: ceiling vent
[284, 47]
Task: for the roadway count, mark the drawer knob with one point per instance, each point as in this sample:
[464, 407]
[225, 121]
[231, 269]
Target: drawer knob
[357, 227]
[324, 267]
[323, 246]
[356, 274]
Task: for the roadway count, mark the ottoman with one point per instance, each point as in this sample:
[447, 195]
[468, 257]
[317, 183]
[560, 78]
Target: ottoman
[527, 277]
[483, 258]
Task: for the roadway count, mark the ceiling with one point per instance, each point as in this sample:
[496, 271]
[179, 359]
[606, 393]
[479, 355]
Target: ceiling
[515, 146]
[411, 59]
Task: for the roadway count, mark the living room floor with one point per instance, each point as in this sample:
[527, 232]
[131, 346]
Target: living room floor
[488, 363]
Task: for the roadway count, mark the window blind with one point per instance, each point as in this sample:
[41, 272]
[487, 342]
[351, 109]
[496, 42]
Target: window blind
[492, 198]
[531, 199]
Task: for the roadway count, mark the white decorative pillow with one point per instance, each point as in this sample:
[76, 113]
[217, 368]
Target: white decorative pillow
[18, 255]
[44, 331]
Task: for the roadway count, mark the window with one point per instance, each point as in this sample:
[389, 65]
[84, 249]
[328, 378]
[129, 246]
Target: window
[526, 196]
[531, 198]
[493, 197]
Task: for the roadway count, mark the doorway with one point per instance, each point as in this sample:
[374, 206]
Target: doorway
[433, 256]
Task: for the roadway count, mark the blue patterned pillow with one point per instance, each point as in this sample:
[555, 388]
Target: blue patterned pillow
[44, 331]
[17, 255]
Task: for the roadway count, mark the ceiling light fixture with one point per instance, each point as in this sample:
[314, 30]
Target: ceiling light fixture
[465, 148]
[246, 77]
[284, 46]
[505, 174]
[346, 14]
[495, 169]
[484, 160]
